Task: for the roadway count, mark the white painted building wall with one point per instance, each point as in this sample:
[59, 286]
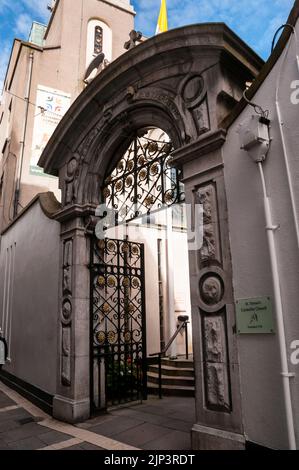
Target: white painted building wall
[261, 382]
[149, 236]
[29, 272]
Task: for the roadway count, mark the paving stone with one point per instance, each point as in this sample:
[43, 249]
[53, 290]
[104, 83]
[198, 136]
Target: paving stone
[157, 410]
[14, 415]
[116, 425]
[3, 445]
[53, 437]
[5, 401]
[187, 415]
[95, 421]
[140, 435]
[176, 424]
[174, 440]
[76, 447]
[8, 425]
[88, 446]
[27, 430]
[30, 443]
[142, 416]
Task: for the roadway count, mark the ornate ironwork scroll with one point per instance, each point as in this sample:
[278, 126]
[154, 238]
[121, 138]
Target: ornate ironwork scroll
[143, 181]
[118, 320]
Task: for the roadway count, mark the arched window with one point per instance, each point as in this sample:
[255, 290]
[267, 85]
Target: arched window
[143, 181]
[99, 39]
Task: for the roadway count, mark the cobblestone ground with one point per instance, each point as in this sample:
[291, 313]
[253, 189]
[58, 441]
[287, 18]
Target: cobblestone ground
[154, 425]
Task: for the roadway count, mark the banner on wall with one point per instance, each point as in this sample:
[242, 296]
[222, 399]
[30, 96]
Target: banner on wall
[51, 106]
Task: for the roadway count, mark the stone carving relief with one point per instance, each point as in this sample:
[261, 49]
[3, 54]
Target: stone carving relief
[66, 313]
[206, 195]
[201, 117]
[67, 267]
[72, 180]
[66, 356]
[216, 362]
[74, 173]
[155, 94]
[194, 94]
[211, 290]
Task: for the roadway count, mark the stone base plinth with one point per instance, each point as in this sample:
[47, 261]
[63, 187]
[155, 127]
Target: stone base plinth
[71, 411]
[205, 438]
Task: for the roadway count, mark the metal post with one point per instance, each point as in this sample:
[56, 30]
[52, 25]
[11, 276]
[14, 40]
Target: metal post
[160, 376]
[187, 342]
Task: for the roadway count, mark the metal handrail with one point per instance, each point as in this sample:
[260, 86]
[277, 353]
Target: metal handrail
[184, 320]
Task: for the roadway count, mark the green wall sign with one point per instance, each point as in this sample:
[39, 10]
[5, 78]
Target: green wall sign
[254, 316]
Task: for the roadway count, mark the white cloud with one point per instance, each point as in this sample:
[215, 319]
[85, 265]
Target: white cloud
[17, 17]
[4, 57]
[38, 8]
[23, 24]
[254, 20]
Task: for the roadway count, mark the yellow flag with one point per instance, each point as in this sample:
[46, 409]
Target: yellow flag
[162, 25]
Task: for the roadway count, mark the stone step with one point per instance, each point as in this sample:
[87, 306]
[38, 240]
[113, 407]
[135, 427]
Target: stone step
[169, 390]
[153, 377]
[178, 363]
[172, 371]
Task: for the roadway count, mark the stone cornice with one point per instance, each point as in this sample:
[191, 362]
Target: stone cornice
[75, 211]
[207, 143]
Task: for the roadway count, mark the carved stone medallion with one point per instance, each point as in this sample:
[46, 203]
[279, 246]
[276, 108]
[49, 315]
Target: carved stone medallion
[211, 289]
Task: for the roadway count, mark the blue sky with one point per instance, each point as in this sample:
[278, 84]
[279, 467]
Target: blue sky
[255, 21]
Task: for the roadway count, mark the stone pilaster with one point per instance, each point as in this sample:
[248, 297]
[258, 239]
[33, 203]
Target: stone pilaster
[218, 400]
[72, 401]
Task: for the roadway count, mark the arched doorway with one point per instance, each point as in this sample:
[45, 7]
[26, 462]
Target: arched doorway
[139, 270]
[185, 82]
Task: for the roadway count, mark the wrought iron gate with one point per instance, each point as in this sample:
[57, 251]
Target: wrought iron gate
[118, 332]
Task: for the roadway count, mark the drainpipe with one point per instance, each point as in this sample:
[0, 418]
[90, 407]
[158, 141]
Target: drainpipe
[22, 151]
[286, 375]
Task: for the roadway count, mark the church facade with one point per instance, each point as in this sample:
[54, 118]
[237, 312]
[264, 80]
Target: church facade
[44, 76]
[166, 126]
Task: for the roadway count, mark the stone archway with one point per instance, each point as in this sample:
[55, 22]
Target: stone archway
[185, 82]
